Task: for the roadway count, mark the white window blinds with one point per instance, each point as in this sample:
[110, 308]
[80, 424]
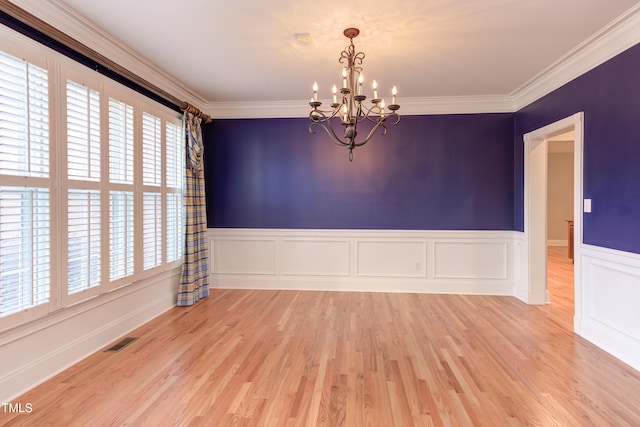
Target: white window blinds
[175, 163]
[120, 142]
[151, 150]
[174, 137]
[121, 203]
[152, 179]
[90, 185]
[120, 234]
[83, 240]
[24, 131]
[24, 248]
[175, 225]
[152, 229]
[83, 132]
[25, 238]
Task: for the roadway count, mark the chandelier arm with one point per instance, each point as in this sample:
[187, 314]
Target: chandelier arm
[380, 124]
[373, 119]
[377, 111]
[386, 117]
[326, 114]
[328, 128]
[330, 132]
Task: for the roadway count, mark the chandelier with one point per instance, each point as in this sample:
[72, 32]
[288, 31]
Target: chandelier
[352, 110]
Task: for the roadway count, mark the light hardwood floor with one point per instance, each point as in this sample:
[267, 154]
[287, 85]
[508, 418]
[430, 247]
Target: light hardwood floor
[286, 358]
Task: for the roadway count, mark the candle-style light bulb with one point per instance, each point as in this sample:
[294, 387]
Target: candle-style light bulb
[360, 81]
[382, 108]
[375, 89]
[315, 91]
[344, 78]
[334, 90]
[344, 110]
[394, 92]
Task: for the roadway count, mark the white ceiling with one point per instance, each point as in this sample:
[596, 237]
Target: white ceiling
[246, 50]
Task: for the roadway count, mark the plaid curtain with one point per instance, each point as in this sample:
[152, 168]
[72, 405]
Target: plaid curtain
[194, 283]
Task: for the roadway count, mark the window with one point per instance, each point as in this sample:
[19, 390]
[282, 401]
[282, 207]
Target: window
[83, 240]
[174, 182]
[120, 234]
[121, 179]
[95, 204]
[25, 251]
[152, 196]
[24, 248]
[83, 132]
[152, 229]
[83, 195]
[175, 225]
[151, 150]
[120, 142]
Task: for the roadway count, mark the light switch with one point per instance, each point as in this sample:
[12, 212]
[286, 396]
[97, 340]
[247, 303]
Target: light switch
[587, 205]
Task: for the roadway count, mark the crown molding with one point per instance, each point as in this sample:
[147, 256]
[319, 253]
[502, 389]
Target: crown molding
[65, 19]
[409, 107]
[619, 35]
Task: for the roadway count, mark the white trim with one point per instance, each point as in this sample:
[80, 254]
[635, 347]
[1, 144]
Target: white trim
[619, 35]
[67, 20]
[611, 289]
[419, 261]
[410, 106]
[616, 37]
[535, 215]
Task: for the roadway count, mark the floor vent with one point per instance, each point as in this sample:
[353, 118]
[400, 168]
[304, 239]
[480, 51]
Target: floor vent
[122, 344]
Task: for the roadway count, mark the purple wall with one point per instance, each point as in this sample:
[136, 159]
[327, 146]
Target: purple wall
[609, 95]
[444, 172]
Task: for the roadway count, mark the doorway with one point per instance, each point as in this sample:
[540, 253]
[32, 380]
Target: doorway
[535, 208]
[560, 224]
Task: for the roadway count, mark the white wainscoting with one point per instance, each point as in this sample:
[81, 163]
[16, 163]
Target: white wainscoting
[610, 298]
[391, 258]
[470, 260]
[462, 262]
[35, 352]
[244, 256]
[315, 257]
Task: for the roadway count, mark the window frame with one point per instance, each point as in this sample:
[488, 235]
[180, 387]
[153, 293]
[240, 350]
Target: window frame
[72, 72]
[60, 69]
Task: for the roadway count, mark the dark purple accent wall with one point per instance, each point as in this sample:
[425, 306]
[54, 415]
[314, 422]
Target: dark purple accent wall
[609, 95]
[443, 172]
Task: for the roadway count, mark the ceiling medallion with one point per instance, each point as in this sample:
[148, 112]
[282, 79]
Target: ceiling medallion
[352, 110]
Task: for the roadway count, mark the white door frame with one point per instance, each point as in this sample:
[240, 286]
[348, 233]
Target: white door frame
[535, 209]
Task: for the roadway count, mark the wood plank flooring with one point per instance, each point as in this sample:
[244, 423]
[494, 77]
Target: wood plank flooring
[287, 358]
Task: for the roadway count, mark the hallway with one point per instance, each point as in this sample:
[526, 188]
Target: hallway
[560, 283]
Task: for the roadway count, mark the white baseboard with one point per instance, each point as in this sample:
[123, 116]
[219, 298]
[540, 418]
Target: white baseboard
[371, 285]
[35, 352]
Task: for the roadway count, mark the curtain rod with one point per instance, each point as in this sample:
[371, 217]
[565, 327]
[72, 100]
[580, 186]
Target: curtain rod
[188, 108]
[100, 62]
